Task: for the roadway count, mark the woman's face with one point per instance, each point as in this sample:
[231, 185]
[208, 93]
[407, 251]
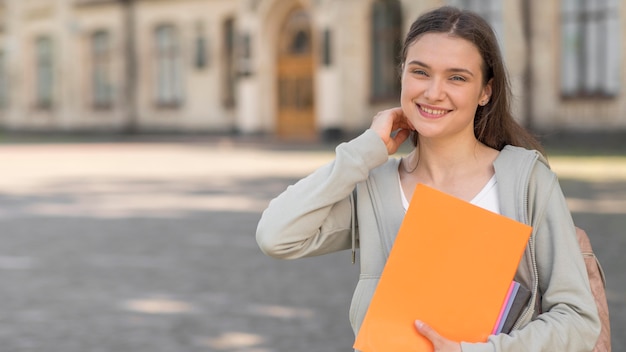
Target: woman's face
[442, 86]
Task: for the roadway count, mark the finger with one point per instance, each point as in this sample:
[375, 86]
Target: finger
[383, 122]
[393, 119]
[401, 136]
[401, 125]
[400, 120]
[388, 121]
[429, 333]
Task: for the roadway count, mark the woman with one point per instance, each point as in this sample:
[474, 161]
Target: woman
[455, 103]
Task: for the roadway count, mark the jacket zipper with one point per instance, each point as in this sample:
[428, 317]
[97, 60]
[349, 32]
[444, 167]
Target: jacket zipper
[533, 260]
[353, 224]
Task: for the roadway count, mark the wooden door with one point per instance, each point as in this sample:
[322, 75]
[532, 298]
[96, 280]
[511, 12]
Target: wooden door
[296, 116]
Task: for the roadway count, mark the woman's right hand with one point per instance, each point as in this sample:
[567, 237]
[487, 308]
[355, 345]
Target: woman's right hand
[440, 344]
[388, 121]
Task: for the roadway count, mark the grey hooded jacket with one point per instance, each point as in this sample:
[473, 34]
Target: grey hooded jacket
[354, 201]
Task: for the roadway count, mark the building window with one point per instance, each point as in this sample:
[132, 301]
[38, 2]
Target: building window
[230, 71]
[590, 48]
[4, 82]
[490, 10]
[244, 65]
[327, 54]
[201, 48]
[102, 91]
[168, 88]
[386, 45]
[44, 73]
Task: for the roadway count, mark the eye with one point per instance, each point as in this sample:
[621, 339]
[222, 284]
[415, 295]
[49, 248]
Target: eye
[458, 78]
[419, 72]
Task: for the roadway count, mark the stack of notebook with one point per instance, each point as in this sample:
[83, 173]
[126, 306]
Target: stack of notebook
[516, 299]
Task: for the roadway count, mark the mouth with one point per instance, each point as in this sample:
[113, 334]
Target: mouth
[432, 112]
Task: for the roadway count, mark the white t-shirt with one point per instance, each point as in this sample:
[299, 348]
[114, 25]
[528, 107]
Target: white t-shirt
[487, 198]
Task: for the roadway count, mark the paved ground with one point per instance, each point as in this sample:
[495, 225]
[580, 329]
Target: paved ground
[150, 247]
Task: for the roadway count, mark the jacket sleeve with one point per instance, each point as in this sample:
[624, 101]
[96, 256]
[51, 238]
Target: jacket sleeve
[313, 216]
[569, 320]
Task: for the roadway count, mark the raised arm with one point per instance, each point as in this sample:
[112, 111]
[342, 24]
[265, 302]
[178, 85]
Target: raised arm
[313, 216]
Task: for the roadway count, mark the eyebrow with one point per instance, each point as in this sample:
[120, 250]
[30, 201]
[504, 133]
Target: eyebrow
[454, 69]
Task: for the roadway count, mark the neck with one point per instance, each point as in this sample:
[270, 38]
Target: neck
[444, 160]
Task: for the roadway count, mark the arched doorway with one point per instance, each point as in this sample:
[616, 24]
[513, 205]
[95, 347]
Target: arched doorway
[296, 117]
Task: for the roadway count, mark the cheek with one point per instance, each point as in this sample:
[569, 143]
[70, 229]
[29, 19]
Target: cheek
[406, 101]
[406, 94]
[407, 88]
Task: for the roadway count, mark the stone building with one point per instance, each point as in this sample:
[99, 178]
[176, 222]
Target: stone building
[293, 68]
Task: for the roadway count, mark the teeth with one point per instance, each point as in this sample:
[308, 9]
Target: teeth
[434, 112]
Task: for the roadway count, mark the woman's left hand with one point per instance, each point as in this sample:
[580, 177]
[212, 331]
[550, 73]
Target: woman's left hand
[440, 343]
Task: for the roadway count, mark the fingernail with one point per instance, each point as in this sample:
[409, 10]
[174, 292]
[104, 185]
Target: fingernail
[419, 324]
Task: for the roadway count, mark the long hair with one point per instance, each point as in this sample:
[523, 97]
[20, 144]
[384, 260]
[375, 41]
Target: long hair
[494, 124]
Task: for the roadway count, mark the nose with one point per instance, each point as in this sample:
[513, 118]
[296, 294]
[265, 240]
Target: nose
[434, 91]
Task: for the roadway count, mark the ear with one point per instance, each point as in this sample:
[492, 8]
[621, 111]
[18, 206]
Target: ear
[487, 90]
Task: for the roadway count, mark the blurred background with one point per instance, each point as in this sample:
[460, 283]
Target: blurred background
[141, 139]
[294, 68]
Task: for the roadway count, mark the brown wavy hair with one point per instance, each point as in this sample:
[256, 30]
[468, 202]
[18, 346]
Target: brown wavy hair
[494, 124]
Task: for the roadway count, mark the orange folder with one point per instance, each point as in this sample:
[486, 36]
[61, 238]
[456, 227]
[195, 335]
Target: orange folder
[451, 266]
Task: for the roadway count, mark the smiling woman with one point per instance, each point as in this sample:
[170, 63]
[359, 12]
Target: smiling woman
[455, 102]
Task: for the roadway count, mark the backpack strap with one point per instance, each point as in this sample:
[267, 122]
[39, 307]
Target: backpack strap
[597, 282]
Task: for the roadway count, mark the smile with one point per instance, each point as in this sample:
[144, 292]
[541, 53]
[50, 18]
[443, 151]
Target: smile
[431, 111]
